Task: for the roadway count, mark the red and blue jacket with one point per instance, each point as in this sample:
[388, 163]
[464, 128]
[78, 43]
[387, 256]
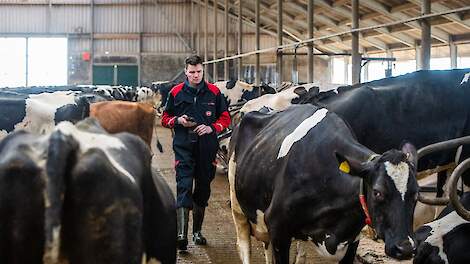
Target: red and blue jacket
[205, 104]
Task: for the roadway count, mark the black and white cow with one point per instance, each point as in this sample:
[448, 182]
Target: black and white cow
[238, 91]
[307, 185]
[39, 113]
[298, 94]
[423, 107]
[446, 239]
[163, 88]
[81, 195]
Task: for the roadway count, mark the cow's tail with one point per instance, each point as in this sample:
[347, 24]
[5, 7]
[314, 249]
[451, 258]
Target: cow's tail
[60, 156]
[155, 124]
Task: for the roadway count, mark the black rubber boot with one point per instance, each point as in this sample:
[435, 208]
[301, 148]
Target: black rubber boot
[182, 216]
[198, 218]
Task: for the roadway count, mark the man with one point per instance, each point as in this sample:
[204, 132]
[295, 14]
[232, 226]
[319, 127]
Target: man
[197, 111]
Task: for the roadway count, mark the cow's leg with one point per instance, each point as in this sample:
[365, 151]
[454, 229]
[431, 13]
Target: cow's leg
[350, 253]
[281, 246]
[268, 252]
[242, 225]
[301, 254]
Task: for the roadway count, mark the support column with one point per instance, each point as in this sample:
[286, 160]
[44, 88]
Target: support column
[206, 40]
[279, 42]
[389, 70]
[418, 56]
[240, 40]
[192, 17]
[425, 36]
[310, 44]
[198, 30]
[365, 69]
[215, 77]
[257, 65]
[141, 29]
[346, 69]
[356, 57]
[226, 70]
[92, 38]
[453, 55]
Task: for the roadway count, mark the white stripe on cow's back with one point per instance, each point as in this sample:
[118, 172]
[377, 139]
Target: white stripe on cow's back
[41, 108]
[301, 131]
[88, 140]
[466, 77]
[399, 174]
[439, 228]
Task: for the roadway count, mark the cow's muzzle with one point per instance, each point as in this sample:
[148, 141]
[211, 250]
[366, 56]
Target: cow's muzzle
[402, 250]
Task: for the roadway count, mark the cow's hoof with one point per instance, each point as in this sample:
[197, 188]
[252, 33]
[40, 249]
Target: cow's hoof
[182, 244]
[198, 239]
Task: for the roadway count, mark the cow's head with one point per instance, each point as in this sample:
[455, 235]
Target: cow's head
[391, 190]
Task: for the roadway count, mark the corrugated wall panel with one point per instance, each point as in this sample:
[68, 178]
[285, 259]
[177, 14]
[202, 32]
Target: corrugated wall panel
[168, 44]
[23, 19]
[127, 46]
[70, 19]
[167, 18]
[118, 19]
[116, 1]
[79, 45]
[70, 1]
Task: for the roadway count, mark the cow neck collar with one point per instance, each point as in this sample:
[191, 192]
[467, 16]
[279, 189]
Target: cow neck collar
[362, 200]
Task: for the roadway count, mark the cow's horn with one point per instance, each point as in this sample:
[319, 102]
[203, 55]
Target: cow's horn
[454, 198]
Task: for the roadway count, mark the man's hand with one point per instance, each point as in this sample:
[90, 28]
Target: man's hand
[183, 120]
[203, 129]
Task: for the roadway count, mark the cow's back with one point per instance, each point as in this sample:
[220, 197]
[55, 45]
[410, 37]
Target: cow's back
[119, 116]
[22, 202]
[424, 107]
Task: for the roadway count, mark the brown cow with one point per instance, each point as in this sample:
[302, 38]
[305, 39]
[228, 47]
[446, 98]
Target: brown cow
[121, 116]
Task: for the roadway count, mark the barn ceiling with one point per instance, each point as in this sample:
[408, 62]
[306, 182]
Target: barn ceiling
[334, 16]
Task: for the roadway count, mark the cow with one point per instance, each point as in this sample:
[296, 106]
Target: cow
[44, 89]
[283, 99]
[238, 91]
[423, 107]
[162, 88]
[446, 239]
[309, 182]
[39, 113]
[132, 117]
[81, 195]
[123, 93]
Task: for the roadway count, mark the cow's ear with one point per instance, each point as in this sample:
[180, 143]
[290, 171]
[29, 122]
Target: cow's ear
[410, 152]
[61, 156]
[353, 166]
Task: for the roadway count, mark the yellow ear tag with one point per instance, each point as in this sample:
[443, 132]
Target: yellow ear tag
[344, 167]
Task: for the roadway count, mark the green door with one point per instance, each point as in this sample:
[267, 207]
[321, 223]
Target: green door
[103, 75]
[115, 75]
[127, 75]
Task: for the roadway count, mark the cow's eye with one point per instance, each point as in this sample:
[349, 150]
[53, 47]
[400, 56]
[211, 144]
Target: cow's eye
[378, 195]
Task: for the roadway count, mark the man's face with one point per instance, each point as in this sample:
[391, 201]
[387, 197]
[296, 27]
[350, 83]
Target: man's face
[194, 73]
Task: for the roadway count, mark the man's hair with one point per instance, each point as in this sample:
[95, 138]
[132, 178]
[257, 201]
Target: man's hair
[192, 60]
